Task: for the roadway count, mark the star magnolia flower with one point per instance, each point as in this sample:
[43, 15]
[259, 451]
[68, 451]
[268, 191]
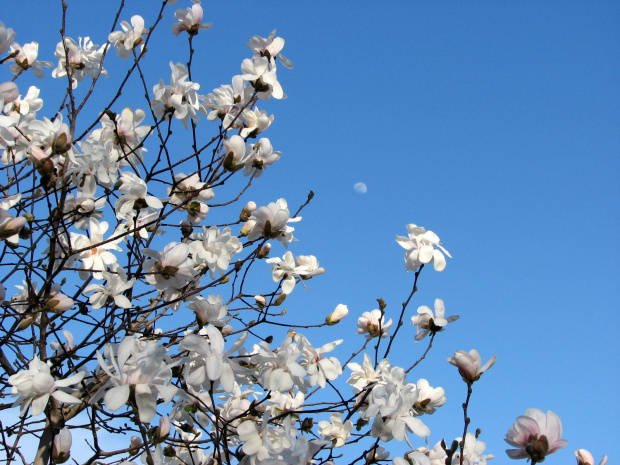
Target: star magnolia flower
[169, 268]
[422, 247]
[35, 386]
[141, 365]
[373, 324]
[469, 364]
[336, 430]
[427, 322]
[190, 20]
[271, 222]
[535, 435]
[472, 452]
[130, 37]
[26, 58]
[585, 458]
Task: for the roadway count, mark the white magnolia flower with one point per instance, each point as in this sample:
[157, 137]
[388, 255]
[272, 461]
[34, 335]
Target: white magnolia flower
[373, 324]
[112, 291]
[422, 247]
[469, 363]
[129, 38]
[210, 310]
[429, 398]
[336, 430]
[26, 58]
[256, 121]
[83, 58]
[170, 268]
[35, 386]
[270, 48]
[319, 367]
[215, 249]
[134, 196]
[472, 452]
[94, 253]
[427, 321]
[143, 366]
[190, 20]
[271, 222]
[261, 156]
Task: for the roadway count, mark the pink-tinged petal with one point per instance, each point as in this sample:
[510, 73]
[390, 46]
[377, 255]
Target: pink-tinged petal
[147, 405]
[517, 453]
[116, 397]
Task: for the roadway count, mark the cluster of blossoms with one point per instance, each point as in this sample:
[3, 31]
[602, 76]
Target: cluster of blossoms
[95, 205]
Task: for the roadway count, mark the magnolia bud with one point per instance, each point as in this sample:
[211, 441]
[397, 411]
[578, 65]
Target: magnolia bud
[264, 251]
[280, 300]
[163, 431]
[247, 228]
[135, 442]
[338, 314]
[12, 227]
[59, 303]
[260, 301]
[246, 212]
[61, 447]
[227, 330]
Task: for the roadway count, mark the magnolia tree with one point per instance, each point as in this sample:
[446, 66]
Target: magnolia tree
[132, 319]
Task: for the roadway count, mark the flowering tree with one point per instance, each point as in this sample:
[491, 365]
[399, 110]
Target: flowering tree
[132, 310]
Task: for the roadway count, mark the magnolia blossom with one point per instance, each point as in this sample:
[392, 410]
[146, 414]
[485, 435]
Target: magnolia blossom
[261, 73]
[94, 253]
[422, 247]
[286, 269]
[469, 363]
[585, 458]
[472, 452]
[336, 430]
[26, 58]
[170, 267]
[270, 48]
[134, 197]
[373, 324]
[112, 291]
[129, 38]
[179, 98]
[261, 156]
[143, 366]
[256, 121]
[83, 58]
[271, 222]
[35, 386]
[429, 398]
[190, 20]
[412, 458]
[535, 435]
[427, 322]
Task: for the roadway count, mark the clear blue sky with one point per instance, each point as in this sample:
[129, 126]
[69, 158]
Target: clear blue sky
[494, 124]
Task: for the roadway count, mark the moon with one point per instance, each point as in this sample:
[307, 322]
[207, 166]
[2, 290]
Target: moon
[360, 188]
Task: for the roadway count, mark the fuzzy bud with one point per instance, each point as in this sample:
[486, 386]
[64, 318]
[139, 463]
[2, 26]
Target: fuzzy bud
[338, 314]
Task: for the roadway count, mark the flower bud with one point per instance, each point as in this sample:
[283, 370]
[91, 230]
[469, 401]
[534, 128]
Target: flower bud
[264, 251]
[59, 303]
[61, 447]
[246, 212]
[163, 431]
[338, 314]
[247, 228]
[12, 227]
[135, 442]
[260, 301]
[227, 330]
[280, 300]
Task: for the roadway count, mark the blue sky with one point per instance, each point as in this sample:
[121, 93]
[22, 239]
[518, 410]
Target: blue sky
[494, 124]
